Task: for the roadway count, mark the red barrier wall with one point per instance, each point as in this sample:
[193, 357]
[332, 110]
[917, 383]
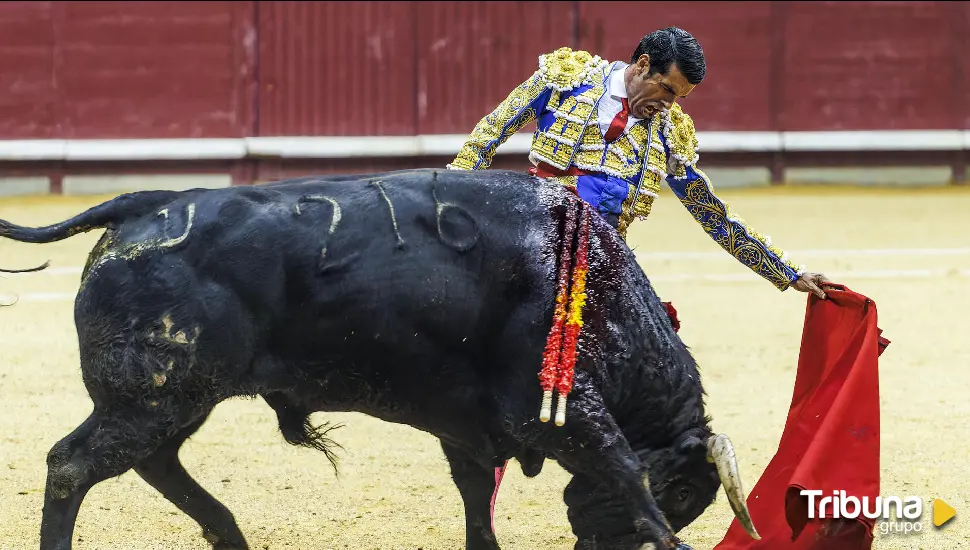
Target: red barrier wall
[230, 69]
[962, 29]
[881, 66]
[27, 97]
[471, 55]
[124, 69]
[336, 68]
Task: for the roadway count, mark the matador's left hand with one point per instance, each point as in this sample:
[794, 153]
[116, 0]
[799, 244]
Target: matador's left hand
[673, 165]
[812, 282]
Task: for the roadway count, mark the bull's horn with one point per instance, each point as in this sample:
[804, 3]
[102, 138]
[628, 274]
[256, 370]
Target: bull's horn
[721, 453]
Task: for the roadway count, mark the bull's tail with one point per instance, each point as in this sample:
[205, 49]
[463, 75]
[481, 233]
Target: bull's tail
[105, 215]
[297, 430]
[294, 421]
[41, 267]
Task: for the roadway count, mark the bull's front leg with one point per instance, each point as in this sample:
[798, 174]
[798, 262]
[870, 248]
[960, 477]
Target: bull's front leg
[592, 447]
[478, 487]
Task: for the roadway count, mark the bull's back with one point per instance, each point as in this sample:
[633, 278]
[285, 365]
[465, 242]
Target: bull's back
[412, 268]
[331, 271]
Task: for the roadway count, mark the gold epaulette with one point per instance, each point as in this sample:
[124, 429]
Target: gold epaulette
[680, 135]
[565, 69]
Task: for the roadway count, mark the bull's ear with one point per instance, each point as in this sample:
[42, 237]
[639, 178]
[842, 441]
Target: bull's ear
[690, 444]
[693, 444]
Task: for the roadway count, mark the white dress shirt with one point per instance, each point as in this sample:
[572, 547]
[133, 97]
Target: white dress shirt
[610, 103]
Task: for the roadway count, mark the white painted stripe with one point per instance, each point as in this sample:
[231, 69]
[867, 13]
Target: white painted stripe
[331, 147]
[33, 149]
[740, 277]
[731, 142]
[154, 149]
[449, 144]
[884, 140]
[372, 146]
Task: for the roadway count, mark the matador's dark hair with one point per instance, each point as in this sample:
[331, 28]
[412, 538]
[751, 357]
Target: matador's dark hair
[673, 45]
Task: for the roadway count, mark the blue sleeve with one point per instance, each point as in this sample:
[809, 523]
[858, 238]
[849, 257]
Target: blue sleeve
[729, 230]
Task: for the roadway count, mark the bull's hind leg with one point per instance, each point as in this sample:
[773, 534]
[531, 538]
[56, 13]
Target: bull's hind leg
[163, 471]
[105, 445]
[67, 484]
[478, 487]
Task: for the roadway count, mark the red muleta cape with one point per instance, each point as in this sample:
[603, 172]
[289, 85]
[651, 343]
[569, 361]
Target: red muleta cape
[831, 437]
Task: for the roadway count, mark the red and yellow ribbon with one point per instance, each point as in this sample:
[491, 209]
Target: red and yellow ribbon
[559, 358]
[550, 358]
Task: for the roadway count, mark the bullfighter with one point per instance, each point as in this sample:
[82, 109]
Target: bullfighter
[610, 131]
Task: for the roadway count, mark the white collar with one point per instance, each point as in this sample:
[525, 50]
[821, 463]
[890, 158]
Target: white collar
[617, 81]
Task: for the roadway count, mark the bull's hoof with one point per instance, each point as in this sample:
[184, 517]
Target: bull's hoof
[623, 544]
[219, 543]
[617, 543]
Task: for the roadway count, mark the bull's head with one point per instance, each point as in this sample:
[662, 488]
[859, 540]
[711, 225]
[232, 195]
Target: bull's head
[685, 477]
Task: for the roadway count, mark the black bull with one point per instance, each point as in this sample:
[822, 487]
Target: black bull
[420, 297]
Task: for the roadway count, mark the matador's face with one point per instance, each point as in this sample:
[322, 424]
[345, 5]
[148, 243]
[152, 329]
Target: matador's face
[648, 94]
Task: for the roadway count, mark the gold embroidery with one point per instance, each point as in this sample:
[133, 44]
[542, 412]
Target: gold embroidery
[678, 128]
[548, 150]
[554, 98]
[491, 131]
[657, 162]
[573, 110]
[565, 69]
[557, 145]
[564, 131]
[728, 229]
[735, 236]
[643, 206]
[653, 171]
[559, 71]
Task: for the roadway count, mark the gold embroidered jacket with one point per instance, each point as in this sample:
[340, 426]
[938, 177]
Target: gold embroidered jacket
[562, 97]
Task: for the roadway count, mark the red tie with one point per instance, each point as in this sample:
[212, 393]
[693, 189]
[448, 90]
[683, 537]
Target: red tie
[619, 123]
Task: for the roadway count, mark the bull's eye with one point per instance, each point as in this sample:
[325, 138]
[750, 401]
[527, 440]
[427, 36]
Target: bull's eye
[683, 494]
